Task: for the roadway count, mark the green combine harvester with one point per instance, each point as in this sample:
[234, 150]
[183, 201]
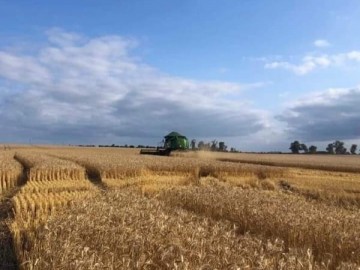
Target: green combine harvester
[172, 141]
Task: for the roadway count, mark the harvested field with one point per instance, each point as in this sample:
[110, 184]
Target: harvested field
[93, 208]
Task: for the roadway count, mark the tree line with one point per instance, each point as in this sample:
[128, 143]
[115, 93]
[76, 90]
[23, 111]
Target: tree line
[210, 146]
[337, 147]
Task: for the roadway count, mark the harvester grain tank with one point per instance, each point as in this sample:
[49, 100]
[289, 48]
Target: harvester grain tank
[172, 141]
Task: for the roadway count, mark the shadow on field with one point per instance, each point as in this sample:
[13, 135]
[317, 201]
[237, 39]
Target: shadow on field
[8, 258]
[94, 177]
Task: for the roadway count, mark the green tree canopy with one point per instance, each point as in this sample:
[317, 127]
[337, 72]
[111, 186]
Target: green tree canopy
[353, 149]
[312, 149]
[295, 147]
[330, 148]
[339, 147]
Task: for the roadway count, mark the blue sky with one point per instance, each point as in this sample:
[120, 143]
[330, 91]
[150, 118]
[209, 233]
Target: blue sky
[257, 74]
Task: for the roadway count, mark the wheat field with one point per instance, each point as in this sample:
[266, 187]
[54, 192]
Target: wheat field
[96, 208]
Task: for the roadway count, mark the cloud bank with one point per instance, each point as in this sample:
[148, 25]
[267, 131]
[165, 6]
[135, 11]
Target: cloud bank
[325, 116]
[78, 89]
[311, 63]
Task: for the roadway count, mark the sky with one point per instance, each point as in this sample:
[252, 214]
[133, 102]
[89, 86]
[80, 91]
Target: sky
[255, 74]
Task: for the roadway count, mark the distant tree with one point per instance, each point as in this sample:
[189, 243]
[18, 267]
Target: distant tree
[207, 146]
[295, 147]
[222, 146]
[339, 147]
[353, 149]
[330, 148]
[201, 145]
[214, 145]
[312, 149]
[193, 144]
[304, 148]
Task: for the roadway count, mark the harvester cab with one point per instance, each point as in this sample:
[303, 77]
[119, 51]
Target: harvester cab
[172, 141]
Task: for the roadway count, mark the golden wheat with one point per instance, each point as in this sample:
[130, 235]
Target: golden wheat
[50, 187]
[10, 171]
[38, 205]
[181, 212]
[344, 163]
[333, 187]
[45, 168]
[56, 186]
[127, 231]
[327, 231]
[115, 165]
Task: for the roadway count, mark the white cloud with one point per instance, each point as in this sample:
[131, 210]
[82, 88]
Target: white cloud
[57, 36]
[354, 55]
[321, 43]
[79, 89]
[310, 63]
[25, 69]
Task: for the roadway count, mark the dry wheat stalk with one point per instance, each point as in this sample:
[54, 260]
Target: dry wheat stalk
[10, 171]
